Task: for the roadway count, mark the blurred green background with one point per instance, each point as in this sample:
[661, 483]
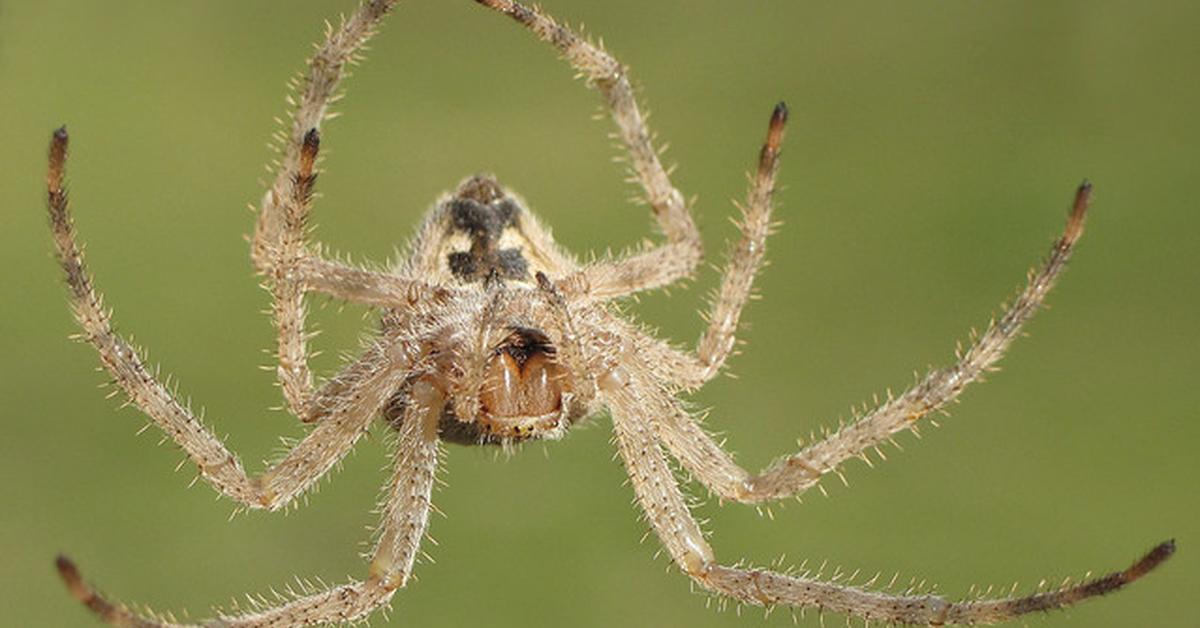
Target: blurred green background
[933, 152]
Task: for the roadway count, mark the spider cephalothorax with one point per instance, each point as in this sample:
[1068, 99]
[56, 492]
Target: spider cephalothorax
[489, 333]
[509, 381]
[503, 377]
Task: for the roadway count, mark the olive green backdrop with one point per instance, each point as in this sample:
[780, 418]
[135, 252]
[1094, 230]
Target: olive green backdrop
[933, 151]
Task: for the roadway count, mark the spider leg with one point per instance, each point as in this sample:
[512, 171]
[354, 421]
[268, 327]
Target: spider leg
[692, 369]
[295, 271]
[405, 519]
[348, 411]
[280, 251]
[631, 399]
[318, 87]
[279, 233]
[571, 349]
[745, 260]
[800, 471]
[647, 269]
[607, 280]
[287, 290]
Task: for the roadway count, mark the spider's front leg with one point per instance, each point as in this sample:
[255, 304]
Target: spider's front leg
[691, 370]
[405, 519]
[633, 400]
[656, 267]
[797, 472]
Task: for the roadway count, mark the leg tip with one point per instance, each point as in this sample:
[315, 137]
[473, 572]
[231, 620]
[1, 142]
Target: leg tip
[309, 147]
[780, 115]
[1151, 560]
[66, 568]
[770, 149]
[312, 140]
[71, 577]
[1083, 198]
[58, 153]
[1156, 556]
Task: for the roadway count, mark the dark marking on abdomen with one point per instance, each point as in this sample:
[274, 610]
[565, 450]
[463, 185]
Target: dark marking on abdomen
[480, 211]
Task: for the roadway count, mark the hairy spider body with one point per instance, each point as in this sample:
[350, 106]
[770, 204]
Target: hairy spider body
[491, 334]
[505, 376]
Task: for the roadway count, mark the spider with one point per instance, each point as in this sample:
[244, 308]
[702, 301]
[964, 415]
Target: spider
[489, 333]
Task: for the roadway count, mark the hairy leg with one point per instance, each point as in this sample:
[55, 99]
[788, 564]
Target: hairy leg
[280, 250]
[631, 400]
[652, 268]
[279, 233]
[287, 289]
[405, 518]
[800, 471]
[317, 89]
[744, 261]
[655, 268]
[685, 369]
[571, 351]
[349, 412]
[294, 272]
